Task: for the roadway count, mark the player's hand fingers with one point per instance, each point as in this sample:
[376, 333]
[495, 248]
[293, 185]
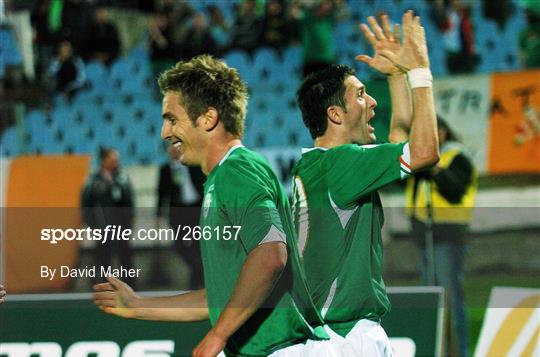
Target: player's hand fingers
[368, 34]
[116, 283]
[2, 293]
[105, 303]
[103, 287]
[364, 58]
[376, 28]
[106, 295]
[407, 23]
[386, 27]
[397, 34]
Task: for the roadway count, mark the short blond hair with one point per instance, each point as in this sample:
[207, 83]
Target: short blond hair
[204, 82]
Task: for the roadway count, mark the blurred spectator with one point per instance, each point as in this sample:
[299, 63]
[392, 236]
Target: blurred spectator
[180, 16]
[247, 28]
[76, 19]
[44, 36]
[316, 33]
[275, 25]
[219, 28]
[66, 72]
[172, 206]
[107, 201]
[198, 40]
[529, 39]
[103, 40]
[440, 203]
[454, 21]
[499, 11]
[163, 50]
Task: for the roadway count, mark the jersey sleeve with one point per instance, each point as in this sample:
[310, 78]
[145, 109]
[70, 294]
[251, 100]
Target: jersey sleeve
[249, 202]
[353, 171]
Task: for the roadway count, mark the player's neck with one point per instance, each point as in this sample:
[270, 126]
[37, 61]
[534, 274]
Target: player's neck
[217, 150]
[330, 140]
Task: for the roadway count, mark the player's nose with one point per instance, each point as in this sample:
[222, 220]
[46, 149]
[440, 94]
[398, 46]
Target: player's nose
[372, 102]
[166, 130]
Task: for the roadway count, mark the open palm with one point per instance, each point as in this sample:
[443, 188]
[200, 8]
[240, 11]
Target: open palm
[383, 40]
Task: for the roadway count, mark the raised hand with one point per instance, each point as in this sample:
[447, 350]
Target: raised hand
[382, 39]
[413, 53]
[116, 297]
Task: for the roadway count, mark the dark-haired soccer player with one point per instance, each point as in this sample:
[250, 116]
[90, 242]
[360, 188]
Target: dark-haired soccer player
[337, 210]
[255, 292]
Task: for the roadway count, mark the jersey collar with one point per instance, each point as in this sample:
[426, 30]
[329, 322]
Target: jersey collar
[306, 150]
[229, 153]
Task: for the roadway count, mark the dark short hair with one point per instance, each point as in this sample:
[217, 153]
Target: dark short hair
[104, 152]
[450, 134]
[204, 82]
[319, 91]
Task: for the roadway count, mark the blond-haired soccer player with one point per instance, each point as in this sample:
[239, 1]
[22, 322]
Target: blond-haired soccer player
[255, 292]
[337, 210]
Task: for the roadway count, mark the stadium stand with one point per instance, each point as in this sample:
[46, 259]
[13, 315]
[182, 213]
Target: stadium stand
[118, 103]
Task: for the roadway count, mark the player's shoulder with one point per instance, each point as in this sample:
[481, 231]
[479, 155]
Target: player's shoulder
[243, 165]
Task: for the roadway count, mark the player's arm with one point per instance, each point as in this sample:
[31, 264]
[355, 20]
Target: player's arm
[413, 59]
[117, 298]
[259, 274]
[384, 39]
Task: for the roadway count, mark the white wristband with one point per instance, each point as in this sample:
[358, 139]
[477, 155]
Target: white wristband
[420, 77]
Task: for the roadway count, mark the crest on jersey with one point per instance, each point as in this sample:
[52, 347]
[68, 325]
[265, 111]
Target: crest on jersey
[207, 202]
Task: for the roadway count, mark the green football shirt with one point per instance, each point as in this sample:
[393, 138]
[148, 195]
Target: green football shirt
[338, 217]
[244, 206]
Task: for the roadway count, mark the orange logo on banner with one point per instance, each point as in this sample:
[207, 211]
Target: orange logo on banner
[514, 141]
[42, 192]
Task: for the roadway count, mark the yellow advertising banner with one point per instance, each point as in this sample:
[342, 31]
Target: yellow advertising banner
[514, 135]
[512, 323]
[41, 192]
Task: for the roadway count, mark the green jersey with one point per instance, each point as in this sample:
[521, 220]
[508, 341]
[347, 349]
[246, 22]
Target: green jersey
[244, 206]
[338, 217]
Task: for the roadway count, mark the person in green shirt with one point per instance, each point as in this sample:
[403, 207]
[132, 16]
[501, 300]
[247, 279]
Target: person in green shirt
[255, 294]
[337, 211]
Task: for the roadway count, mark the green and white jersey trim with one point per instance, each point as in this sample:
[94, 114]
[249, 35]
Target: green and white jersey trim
[274, 235]
[229, 153]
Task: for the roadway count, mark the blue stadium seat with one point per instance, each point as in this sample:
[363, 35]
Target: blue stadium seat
[9, 50]
[10, 143]
[98, 78]
[241, 61]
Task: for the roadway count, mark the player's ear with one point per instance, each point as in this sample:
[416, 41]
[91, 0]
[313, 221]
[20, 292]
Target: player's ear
[334, 114]
[210, 119]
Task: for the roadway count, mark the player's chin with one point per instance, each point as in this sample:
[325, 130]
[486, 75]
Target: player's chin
[372, 138]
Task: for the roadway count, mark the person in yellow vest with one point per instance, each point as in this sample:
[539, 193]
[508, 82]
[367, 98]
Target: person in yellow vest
[440, 203]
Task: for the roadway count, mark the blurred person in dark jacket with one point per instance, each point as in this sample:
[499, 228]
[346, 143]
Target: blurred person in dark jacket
[103, 41]
[453, 17]
[178, 209]
[198, 39]
[107, 200]
[66, 73]
[441, 202]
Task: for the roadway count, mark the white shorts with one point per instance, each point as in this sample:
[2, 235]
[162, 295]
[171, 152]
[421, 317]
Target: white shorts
[367, 338]
[313, 348]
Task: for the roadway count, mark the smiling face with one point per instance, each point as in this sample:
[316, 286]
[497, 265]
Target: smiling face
[186, 137]
[359, 111]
